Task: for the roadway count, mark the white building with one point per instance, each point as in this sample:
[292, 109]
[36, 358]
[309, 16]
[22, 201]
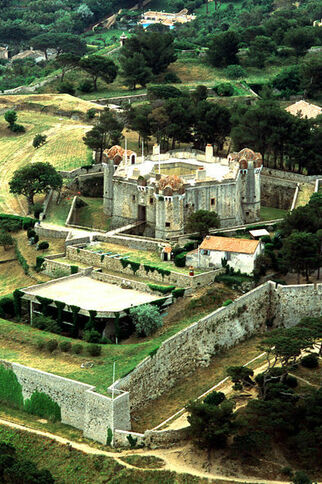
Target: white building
[239, 253]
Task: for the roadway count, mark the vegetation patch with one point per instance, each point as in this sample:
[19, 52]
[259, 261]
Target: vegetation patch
[42, 405]
[144, 461]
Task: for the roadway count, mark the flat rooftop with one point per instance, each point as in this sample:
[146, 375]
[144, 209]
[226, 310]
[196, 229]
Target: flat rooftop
[90, 294]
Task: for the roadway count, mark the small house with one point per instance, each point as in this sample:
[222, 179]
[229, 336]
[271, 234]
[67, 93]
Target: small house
[239, 253]
[258, 233]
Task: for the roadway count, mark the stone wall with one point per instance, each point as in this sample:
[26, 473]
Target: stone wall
[288, 175]
[97, 168]
[80, 406]
[138, 286]
[54, 268]
[277, 192]
[194, 346]
[45, 232]
[131, 241]
[111, 263]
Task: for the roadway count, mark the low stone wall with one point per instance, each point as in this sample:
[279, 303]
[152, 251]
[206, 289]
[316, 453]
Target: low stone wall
[81, 407]
[111, 263]
[71, 217]
[194, 346]
[45, 232]
[288, 175]
[57, 269]
[97, 168]
[122, 439]
[152, 439]
[130, 241]
[138, 286]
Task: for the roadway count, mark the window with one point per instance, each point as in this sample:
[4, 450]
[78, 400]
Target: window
[213, 201]
[133, 198]
[167, 224]
[247, 213]
[227, 256]
[151, 200]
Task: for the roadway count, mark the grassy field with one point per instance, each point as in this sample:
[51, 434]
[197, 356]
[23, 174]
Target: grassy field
[76, 467]
[64, 150]
[18, 344]
[92, 214]
[270, 213]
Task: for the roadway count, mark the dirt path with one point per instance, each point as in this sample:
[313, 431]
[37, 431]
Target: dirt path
[171, 457]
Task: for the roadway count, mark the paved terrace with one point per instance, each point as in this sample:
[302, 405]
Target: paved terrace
[90, 294]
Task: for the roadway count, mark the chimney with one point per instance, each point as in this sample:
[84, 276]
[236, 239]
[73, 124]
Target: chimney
[209, 152]
[201, 173]
[156, 149]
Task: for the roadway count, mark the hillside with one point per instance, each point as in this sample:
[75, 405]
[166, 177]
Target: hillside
[64, 148]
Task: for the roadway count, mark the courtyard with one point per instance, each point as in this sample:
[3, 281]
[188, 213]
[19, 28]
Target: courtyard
[90, 294]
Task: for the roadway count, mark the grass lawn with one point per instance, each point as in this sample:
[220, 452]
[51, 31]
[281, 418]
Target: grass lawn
[141, 256]
[57, 214]
[18, 344]
[92, 214]
[64, 150]
[270, 213]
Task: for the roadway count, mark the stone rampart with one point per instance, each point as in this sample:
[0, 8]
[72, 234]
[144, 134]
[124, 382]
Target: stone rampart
[80, 406]
[288, 175]
[54, 268]
[97, 168]
[45, 232]
[130, 241]
[119, 281]
[194, 346]
[114, 264]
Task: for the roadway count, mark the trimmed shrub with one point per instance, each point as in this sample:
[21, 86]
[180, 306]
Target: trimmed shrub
[25, 222]
[162, 289]
[226, 303]
[10, 388]
[224, 89]
[43, 245]
[180, 259]
[10, 225]
[65, 346]
[21, 260]
[310, 361]
[30, 233]
[52, 345]
[178, 292]
[46, 323]
[77, 349]
[43, 406]
[73, 269]
[7, 307]
[91, 336]
[94, 350]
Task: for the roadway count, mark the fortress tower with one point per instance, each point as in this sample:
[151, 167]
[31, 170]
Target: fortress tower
[169, 216]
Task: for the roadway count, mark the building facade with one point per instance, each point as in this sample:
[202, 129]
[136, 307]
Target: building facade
[164, 189]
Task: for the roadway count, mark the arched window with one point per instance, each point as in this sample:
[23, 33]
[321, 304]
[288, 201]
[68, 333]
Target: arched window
[133, 159]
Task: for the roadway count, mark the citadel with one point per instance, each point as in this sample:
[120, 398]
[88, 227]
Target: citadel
[162, 190]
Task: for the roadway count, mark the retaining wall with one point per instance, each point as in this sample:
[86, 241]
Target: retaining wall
[119, 281]
[178, 279]
[97, 168]
[81, 407]
[54, 268]
[194, 346]
[45, 232]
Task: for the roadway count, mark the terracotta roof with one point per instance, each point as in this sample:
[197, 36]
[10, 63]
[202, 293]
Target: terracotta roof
[168, 250]
[117, 150]
[304, 109]
[172, 181]
[227, 244]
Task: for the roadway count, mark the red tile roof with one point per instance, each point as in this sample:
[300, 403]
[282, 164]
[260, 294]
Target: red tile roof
[227, 244]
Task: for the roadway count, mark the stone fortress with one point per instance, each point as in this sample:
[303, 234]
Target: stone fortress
[162, 190]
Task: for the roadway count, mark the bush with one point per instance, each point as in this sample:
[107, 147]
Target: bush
[91, 336]
[86, 86]
[40, 344]
[77, 349]
[163, 92]
[105, 341]
[46, 323]
[52, 345]
[30, 233]
[172, 78]
[43, 245]
[7, 307]
[43, 406]
[94, 350]
[189, 246]
[224, 89]
[214, 398]
[17, 128]
[24, 222]
[310, 361]
[162, 289]
[39, 140]
[65, 346]
[10, 225]
[235, 71]
[73, 269]
[91, 115]
[180, 259]
[146, 319]
[266, 239]
[291, 381]
[21, 260]
[178, 292]
[66, 87]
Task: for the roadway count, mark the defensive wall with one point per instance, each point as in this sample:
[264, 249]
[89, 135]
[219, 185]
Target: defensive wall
[257, 311]
[265, 307]
[80, 406]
